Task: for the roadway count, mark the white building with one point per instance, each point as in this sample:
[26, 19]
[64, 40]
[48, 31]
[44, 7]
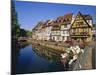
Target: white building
[37, 31]
[56, 33]
[60, 30]
[55, 30]
[48, 27]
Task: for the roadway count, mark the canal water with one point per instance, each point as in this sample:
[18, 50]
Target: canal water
[30, 60]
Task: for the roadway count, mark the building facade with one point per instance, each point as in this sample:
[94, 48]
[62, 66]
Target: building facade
[60, 30]
[48, 27]
[81, 28]
[64, 28]
[37, 31]
[94, 32]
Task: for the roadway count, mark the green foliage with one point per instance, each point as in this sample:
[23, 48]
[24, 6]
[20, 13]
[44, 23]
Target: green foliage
[23, 33]
[14, 23]
[29, 33]
[16, 30]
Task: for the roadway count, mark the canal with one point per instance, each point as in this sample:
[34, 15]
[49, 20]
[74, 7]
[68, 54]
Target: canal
[31, 60]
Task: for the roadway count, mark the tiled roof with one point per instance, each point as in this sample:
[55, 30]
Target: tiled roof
[56, 27]
[66, 19]
[87, 17]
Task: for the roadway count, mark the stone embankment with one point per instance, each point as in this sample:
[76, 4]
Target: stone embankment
[86, 60]
[57, 46]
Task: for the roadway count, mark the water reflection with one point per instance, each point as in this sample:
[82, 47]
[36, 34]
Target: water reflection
[49, 54]
[36, 59]
[15, 52]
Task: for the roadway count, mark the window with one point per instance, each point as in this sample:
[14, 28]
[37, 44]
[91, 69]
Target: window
[53, 38]
[85, 29]
[68, 19]
[81, 29]
[59, 20]
[62, 37]
[89, 22]
[79, 24]
[67, 32]
[72, 30]
[64, 20]
[63, 32]
[53, 32]
[78, 18]
[68, 26]
[65, 26]
[58, 38]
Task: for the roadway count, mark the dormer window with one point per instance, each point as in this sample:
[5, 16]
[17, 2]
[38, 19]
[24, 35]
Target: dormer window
[64, 20]
[55, 21]
[79, 24]
[59, 20]
[68, 19]
[65, 26]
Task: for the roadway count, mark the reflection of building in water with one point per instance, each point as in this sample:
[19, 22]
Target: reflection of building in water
[49, 54]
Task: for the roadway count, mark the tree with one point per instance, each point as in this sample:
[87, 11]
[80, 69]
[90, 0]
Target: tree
[14, 22]
[29, 33]
[23, 33]
[16, 30]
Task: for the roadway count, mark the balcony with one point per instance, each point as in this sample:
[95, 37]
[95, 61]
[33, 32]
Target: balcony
[81, 34]
[80, 26]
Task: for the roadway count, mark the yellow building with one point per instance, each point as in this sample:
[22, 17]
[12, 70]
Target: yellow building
[81, 28]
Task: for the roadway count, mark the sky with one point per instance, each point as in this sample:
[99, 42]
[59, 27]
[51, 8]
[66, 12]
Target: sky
[30, 13]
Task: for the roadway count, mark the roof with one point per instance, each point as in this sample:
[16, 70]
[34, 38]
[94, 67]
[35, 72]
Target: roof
[66, 19]
[68, 15]
[38, 26]
[85, 17]
[47, 23]
[55, 27]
